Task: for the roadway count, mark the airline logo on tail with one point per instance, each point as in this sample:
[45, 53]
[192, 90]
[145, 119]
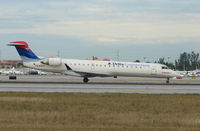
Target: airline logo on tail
[24, 51]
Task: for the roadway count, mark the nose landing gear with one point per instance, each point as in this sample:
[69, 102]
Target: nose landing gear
[167, 82]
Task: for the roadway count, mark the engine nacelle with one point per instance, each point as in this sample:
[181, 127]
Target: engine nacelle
[55, 61]
[52, 61]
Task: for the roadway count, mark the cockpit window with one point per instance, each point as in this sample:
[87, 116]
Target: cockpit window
[165, 67]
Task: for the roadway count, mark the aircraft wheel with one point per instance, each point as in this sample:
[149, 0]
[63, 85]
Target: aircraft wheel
[85, 80]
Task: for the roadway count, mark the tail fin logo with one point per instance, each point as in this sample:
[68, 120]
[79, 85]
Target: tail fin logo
[21, 44]
[24, 51]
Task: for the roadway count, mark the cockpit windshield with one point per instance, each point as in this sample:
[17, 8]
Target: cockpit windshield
[165, 67]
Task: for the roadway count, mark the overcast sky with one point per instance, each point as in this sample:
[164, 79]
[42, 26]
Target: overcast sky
[86, 28]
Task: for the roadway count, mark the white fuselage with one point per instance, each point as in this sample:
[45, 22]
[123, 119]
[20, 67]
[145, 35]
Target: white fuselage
[105, 68]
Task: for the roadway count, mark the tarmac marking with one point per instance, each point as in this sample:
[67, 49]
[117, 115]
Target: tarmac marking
[138, 89]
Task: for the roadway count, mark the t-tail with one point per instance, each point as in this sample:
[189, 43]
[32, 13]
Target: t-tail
[24, 51]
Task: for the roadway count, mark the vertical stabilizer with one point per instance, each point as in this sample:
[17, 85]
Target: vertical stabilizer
[24, 51]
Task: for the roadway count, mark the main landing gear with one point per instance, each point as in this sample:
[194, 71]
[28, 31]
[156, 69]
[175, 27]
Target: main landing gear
[167, 82]
[85, 80]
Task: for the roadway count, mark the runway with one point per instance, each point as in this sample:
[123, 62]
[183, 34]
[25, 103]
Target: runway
[98, 85]
[100, 88]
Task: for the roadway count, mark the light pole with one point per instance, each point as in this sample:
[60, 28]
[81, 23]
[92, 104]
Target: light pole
[144, 59]
[118, 55]
[184, 66]
[168, 59]
[58, 53]
[0, 55]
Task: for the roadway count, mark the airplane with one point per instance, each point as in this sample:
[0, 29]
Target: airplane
[88, 68]
[12, 72]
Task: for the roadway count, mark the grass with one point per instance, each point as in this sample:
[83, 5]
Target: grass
[98, 112]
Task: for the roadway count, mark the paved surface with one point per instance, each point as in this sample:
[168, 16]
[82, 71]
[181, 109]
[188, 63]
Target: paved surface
[99, 85]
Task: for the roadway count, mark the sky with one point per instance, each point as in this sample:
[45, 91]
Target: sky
[85, 28]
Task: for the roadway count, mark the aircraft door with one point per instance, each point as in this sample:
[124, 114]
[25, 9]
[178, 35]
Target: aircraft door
[154, 70]
[92, 66]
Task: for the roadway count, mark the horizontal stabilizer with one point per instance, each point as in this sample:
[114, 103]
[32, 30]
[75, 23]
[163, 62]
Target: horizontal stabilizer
[15, 44]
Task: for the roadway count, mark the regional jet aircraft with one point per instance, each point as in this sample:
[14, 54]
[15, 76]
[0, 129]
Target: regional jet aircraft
[88, 68]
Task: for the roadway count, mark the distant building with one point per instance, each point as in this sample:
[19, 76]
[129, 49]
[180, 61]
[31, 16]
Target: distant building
[97, 59]
[11, 63]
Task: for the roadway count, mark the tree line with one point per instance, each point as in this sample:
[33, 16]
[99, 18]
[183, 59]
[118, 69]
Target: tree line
[186, 61]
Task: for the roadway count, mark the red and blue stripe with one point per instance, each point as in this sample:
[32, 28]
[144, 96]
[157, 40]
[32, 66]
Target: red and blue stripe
[24, 51]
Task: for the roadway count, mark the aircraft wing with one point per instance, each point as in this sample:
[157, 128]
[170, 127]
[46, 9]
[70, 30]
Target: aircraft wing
[92, 74]
[88, 74]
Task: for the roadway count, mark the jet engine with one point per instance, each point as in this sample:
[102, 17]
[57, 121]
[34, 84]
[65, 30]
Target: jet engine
[52, 61]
